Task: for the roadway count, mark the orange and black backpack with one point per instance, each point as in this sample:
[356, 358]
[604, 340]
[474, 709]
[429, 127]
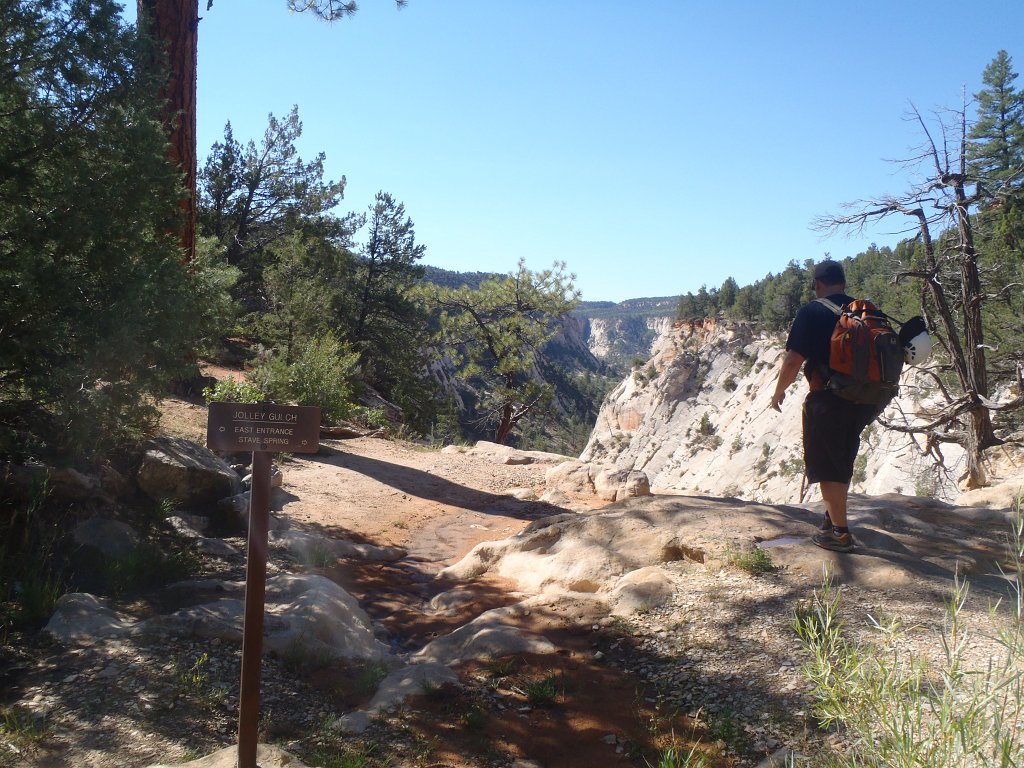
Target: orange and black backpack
[866, 355]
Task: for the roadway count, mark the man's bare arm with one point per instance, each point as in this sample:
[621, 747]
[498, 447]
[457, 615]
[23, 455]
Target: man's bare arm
[787, 375]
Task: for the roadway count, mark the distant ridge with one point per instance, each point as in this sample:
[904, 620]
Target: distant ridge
[450, 279]
[654, 306]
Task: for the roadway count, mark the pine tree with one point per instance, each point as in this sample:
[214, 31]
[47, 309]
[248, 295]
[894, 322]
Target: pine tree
[172, 27]
[996, 149]
[496, 335]
[255, 195]
[388, 323]
[996, 155]
[96, 306]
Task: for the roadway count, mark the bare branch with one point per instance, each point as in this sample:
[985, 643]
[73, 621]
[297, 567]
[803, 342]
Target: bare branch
[1002, 292]
[1014, 404]
[931, 142]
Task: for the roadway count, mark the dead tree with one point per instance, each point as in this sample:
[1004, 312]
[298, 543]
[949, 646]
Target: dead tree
[953, 295]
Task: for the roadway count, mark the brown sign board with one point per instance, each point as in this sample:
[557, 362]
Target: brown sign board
[238, 427]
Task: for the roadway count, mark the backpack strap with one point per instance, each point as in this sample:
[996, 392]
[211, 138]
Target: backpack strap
[822, 369]
[831, 305]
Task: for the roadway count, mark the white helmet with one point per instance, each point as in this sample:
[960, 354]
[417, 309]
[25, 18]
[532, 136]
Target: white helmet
[918, 349]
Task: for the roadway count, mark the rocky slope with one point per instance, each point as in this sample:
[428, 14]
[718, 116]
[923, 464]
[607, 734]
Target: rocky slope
[697, 419]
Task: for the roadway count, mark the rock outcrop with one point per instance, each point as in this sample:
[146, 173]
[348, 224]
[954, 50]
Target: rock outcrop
[696, 419]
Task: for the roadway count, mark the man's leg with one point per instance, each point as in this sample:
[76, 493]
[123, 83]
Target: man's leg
[834, 495]
[838, 538]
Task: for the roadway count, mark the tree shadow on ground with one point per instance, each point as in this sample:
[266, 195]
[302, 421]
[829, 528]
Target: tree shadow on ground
[425, 485]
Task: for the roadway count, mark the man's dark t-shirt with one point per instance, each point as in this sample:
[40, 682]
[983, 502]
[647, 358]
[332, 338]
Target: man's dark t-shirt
[811, 333]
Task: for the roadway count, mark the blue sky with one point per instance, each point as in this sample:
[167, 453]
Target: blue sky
[653, 146]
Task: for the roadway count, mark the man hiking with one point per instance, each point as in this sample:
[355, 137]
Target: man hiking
[831, 424]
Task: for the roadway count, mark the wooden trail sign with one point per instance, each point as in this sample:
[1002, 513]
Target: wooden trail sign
[237, 427]
[262, 428]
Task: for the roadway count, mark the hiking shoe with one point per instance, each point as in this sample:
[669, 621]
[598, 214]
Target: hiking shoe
[826, 524]
[837, 542]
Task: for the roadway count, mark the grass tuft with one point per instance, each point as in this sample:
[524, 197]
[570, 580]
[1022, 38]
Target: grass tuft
[755, 562]
[897, 709]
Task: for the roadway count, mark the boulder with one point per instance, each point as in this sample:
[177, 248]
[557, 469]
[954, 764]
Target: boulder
[276, 478]
[307, 616]
[451, 602]
[23, 482]
[80, 618]
[492, 634]
[313, 549]
[617, 484]
[570, 477]
[503, 454]
[641, 590]
[573, 552]
[111, 538]
[523, 494]
[188, 473]
[208, 546]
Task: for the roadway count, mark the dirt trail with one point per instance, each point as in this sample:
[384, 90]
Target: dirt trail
[435, 505]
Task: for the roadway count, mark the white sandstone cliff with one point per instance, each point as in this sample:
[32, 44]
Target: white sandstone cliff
[696, 419]
[624, 337]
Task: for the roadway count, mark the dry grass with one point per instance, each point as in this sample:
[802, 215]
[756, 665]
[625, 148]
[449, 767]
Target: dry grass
[181, 418]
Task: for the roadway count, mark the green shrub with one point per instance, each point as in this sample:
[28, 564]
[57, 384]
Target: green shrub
[675, 756]
[31, 571]
[793, 467]
[373, 418]
[544, 692]
[706, 427]
[762, 463]
[22, 727]
[231, 391]
[322, 374]
[212, 279]
[860, 469]
[146, 567]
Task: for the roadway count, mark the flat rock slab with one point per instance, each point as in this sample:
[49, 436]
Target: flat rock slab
[267, 756]
[901, 540]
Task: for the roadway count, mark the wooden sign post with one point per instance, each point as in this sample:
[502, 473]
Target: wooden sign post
[262, 428]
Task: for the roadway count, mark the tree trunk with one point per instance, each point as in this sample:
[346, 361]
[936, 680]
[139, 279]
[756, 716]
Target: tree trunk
[979, 432]
[505, 426]
[173, 26]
